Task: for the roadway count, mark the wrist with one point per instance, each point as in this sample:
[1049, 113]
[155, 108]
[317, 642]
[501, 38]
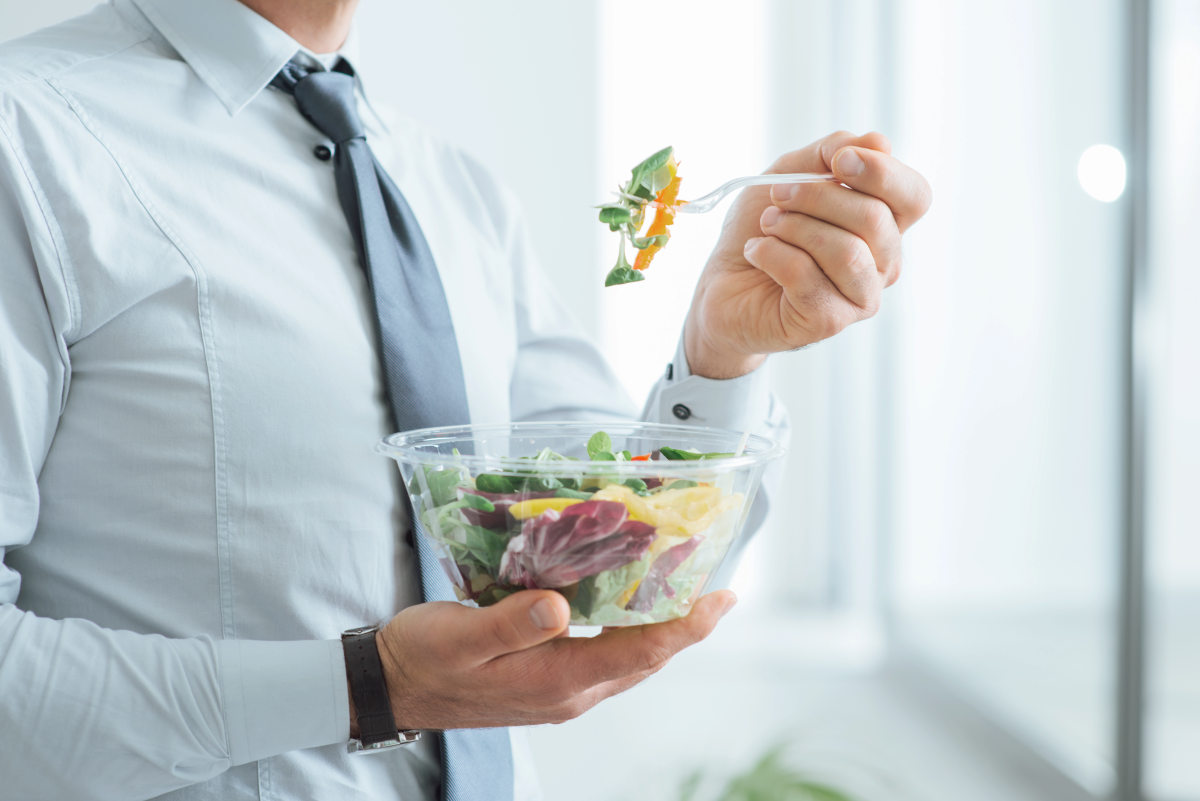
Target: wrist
[714, 360]
[373, 725]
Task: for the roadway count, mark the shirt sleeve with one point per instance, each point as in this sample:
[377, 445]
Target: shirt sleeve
[89, 712]
[745, 403]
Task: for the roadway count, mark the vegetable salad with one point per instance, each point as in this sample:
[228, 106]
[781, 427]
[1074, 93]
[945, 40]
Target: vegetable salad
[622, 550]
[653, 185]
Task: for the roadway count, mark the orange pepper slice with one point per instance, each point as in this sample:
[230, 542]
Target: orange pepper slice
[664, 215]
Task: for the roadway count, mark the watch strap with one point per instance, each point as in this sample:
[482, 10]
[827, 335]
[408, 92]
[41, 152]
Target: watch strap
[368, 688]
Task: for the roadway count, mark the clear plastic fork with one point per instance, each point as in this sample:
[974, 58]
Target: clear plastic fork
[709, 202]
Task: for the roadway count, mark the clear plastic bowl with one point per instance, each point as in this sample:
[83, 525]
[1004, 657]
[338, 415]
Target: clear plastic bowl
[524, 505]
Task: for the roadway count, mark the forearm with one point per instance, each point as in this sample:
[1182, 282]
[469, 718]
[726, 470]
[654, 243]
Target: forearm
[87, 712]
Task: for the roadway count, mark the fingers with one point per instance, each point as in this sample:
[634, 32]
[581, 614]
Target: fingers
[816, 305]
[859, 216]
[901, 187]
[520, 621]
[637, 651]
[858, 264]
[440, 675]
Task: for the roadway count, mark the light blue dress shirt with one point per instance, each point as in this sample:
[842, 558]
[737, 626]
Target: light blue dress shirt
[191, 510]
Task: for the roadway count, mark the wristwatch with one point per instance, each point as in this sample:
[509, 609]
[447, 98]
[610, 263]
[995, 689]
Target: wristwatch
[376, 725]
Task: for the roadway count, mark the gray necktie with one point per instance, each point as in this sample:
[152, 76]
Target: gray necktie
[421, 363]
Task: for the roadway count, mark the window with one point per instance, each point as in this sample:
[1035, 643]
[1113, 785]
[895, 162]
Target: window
[1173, 556]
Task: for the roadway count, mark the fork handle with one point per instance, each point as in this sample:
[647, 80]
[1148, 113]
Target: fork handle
[707, 202]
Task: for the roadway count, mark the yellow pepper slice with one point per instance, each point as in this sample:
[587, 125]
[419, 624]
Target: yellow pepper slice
[535, 506]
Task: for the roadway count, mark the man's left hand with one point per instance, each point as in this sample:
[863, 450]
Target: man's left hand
[797, 263]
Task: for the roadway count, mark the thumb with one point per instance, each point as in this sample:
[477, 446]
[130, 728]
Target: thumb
[522, 620]
[818, 157]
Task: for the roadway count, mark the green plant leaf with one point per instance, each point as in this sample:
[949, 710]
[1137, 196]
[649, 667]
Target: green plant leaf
[769, 779]
[687, 791]
[822, 792]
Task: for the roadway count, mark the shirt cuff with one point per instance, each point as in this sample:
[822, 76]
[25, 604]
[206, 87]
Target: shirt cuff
[281, 696]
[744, 403]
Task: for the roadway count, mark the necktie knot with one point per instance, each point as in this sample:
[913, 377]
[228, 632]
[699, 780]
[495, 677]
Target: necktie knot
[326, 99]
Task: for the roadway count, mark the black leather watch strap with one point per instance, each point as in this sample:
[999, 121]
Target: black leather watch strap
[376, 725]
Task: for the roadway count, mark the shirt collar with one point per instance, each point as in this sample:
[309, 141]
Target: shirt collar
[232, 49]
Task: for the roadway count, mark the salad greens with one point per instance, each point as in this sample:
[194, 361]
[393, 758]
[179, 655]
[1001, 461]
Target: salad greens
[653, 183]
[621, 549]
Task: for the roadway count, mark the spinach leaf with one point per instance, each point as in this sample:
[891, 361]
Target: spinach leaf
[674, 454]
[643, 242]
[643, 173]
[677, 454]
[485, 545]
[585, 596]
[494, 482]
[541, 483]
[623, 274]
[615, 215]
[599, 443]
[443, 484]
[635, 484]
[477, 502]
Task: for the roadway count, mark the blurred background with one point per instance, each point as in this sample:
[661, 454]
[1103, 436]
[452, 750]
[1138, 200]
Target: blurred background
[983, 578]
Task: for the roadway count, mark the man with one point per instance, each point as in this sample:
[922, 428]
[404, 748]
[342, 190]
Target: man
[193, 374]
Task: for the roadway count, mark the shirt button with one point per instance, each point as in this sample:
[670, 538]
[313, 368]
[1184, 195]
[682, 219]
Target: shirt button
[323, 152]
[681, 411]
[409, 539]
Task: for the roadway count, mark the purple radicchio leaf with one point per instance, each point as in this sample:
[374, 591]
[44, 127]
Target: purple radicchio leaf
[659, 572]
[501, 501]
[556, 549]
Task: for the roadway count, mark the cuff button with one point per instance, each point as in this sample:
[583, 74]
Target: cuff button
[681, 411]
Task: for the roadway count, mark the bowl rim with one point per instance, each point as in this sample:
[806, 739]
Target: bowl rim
[399, 446]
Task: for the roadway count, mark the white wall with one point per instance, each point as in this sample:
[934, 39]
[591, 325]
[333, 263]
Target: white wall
[516, 85]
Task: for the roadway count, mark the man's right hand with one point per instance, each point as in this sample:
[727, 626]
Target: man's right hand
[450, 666]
